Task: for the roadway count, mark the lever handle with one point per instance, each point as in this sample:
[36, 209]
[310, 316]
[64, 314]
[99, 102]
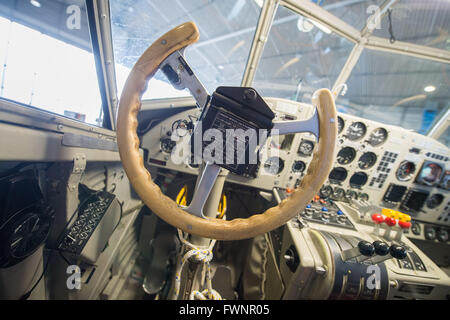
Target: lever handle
[363, 251]
[395, 251]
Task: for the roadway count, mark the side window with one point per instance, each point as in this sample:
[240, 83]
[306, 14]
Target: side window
[445, 137]
[46, 58]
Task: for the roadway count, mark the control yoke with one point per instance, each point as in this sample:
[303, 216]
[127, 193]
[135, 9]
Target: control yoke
[227, 108]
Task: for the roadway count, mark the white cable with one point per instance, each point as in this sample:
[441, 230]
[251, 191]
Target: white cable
[199, 255]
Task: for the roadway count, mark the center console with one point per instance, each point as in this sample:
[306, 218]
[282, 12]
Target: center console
[335, 250]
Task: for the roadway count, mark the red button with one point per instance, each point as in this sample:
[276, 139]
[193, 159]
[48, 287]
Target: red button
[390, 221]
[377, 218]
[404, 224]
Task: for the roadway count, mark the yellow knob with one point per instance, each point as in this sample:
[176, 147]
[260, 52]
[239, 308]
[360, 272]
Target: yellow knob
[388, 212]
[404, 217]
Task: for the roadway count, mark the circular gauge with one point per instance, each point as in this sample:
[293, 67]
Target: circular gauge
[445, 183]
[337, 175]
[326, 191]
[363, 197]
[340, 124]
[306, 147]
[430, 174]
[346, 155]
[405, 171]
[358, 179]
[367, 160]
[351, 195]
[356, 131]
[274, 165]
[339, 194]
[298, 166]
[377, 137]
[167, 145]
[435, 200]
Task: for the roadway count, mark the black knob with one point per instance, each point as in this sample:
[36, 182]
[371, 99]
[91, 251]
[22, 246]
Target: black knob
[249, 95]
[397, 251]
[381, 248]
[366, 248]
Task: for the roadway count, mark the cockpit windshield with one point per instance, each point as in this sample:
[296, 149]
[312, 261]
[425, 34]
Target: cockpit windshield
[407, 87]
[218, 58]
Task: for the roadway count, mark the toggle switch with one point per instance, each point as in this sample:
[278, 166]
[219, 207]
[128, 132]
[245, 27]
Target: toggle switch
[363, 251]
[378, 219]
[390, 222]
[404, 225]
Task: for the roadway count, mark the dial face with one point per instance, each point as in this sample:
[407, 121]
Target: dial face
[351, 195]
[429, 174]
[367, 160]
[435, 200]
[445, 183]
[298, 166]
[326, 191]
[405, 171]
[339, 193]
[377, 137]
[306, 147]
[363, 196]
[346, 155]
[337, 175]
[356, 131]
[358, 179]
[167, 145]
[340, 124]
[274, 165]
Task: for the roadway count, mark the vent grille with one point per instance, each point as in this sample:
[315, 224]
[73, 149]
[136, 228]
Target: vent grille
[416, 288]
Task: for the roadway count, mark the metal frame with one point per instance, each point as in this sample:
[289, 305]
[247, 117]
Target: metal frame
[265, 21]
[440, 126]
[101, 35]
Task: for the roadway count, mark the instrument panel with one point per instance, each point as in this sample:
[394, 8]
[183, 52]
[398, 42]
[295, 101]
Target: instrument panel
[385, 165]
